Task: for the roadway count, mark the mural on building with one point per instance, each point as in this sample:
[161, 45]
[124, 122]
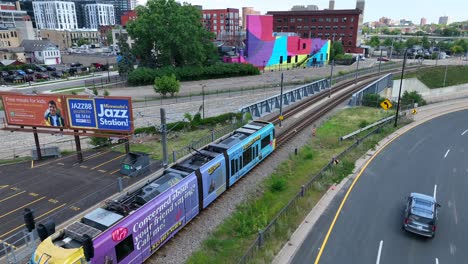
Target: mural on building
[266, 49]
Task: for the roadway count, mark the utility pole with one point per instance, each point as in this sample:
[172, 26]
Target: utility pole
[445, 75]
[281, 102]
[331, 78]
[357, 69]
[163, 130]
[380, 62]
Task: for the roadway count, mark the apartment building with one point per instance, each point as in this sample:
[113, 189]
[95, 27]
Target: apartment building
[55, 15]
[99, 15]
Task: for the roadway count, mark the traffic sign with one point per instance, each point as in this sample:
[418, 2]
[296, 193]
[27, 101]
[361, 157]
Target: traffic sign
[414, 111]
[281, 118]
[386, 104]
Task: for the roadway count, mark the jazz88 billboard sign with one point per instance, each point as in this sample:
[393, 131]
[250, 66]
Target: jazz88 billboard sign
[110, 114]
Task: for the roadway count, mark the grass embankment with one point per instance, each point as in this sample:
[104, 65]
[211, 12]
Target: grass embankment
[434, 77]
[176, 140]
[232, 238]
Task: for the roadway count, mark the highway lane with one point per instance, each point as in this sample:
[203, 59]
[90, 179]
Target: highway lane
[370, 221]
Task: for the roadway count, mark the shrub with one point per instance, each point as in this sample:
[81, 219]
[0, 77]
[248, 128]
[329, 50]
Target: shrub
[372, 100]
[409, 98]
[166, 85]
[363, 124]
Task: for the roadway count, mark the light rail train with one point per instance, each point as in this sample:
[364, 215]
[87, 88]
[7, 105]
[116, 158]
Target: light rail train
[131, 228]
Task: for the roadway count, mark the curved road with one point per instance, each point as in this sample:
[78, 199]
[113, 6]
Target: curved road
[433, 153]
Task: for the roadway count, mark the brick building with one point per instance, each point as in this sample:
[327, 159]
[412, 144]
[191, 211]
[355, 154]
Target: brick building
[223, 22]
[334, 25]
[128, 16]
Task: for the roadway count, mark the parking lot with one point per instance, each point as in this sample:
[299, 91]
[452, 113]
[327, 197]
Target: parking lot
[57, 188]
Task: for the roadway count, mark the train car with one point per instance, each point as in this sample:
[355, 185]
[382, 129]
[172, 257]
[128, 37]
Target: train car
[131, 228]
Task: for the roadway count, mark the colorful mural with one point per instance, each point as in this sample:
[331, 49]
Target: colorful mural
[264, 49]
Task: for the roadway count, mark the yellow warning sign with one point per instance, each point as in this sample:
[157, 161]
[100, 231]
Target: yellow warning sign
[414, 111]
[281, 118]
[386, 104]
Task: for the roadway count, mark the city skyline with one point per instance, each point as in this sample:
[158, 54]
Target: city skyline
[398, 9]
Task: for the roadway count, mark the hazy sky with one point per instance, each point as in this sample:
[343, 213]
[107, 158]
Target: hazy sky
[396, 9]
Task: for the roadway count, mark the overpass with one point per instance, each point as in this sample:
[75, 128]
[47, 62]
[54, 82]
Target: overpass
[430, 37]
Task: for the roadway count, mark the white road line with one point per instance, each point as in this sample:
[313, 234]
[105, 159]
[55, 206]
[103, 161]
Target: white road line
[380, 252]
[435, 192]
[464, 132]
[455, 213]
[446, 153]
[437, 261]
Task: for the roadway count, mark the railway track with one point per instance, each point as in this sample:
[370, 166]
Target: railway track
[339, 94]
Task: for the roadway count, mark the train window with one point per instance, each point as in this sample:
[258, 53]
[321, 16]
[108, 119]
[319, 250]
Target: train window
[265, 142]
[124, 248]
[233, 167]
[247, 155]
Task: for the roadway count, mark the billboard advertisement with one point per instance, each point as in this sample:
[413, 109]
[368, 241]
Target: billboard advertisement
[110, 114]
[35, 110]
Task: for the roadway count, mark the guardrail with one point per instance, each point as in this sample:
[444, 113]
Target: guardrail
[366, 128]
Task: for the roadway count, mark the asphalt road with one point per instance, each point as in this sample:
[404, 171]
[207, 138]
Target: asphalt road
[370, 221]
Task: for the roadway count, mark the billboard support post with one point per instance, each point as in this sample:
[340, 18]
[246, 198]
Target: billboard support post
[38, 146]
[127, 145]
[79, 154]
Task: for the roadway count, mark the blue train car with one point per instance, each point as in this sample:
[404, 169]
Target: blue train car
[132, 227]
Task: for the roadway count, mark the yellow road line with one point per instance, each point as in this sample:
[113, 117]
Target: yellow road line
[8, 244]
[118, 157]
[338, 212]
[32, 164]
[4, 186]
[42, 215]
[4, 199]
[35, 201]
[115, 171]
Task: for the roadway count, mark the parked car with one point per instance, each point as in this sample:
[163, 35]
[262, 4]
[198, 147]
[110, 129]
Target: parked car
[57, 74]
[97, 65]
[21, 72]
[39, 68]
[28, 78]
[421, 214]
[76, 64]
[4, 74]
[41, 76]
[29, 71]
[51, 68]
[383, 59]
[14, 78]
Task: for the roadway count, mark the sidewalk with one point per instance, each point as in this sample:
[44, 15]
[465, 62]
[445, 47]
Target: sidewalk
[424, 114]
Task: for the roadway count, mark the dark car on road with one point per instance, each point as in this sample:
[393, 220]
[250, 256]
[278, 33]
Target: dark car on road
[76, 64]
[41, 76]
[29, 71]
[51, 68]
[14, 78]
[39, 68]
[383, 59]
[421, 215]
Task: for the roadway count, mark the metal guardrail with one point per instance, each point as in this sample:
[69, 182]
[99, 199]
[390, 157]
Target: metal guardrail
[366, 128]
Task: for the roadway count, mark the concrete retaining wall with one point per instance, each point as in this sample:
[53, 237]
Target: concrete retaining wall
[430, 95]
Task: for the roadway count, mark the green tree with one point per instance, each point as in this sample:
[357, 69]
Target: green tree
[168, 33]
[82, 42]
[336, 49]
[374, 41]
[126, 60]
[456, 49]
[425, 42]
[167, 84]
[109, 37]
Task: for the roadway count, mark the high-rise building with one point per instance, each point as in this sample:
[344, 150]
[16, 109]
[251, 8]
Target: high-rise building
[304, 8]
[423, 21]
[331, 5]
[133, 4]
[247, 11]
[120, 7]
[55, 14]
[11, 18]
[444, 20]
[99, 15]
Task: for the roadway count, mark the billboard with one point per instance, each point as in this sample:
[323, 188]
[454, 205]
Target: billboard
[35, 110]
[109, 113]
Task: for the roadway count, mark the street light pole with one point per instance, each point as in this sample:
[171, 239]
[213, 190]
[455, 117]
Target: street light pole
[401, 84]
[380, 61]
[203, 101]
[331, 77]
[357, 69]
